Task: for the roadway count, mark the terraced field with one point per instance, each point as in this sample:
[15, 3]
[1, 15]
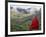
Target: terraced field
[20, 22]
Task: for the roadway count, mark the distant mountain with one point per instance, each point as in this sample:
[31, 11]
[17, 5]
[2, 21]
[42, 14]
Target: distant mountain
[21, 10]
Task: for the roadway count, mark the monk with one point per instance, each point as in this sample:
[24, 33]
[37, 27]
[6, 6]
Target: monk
[35, 24]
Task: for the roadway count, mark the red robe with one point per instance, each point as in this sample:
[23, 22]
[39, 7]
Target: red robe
[35, 24]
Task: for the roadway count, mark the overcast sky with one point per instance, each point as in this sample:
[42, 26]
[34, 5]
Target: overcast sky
[32, 10]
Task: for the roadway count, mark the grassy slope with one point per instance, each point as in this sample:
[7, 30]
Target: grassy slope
[22, 26]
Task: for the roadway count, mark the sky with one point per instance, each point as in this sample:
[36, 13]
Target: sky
[32, 10]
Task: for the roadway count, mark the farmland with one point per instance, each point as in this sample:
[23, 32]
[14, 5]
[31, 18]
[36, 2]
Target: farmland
[20, 22]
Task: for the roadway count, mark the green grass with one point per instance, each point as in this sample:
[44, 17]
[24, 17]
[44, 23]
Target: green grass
[19, 27]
